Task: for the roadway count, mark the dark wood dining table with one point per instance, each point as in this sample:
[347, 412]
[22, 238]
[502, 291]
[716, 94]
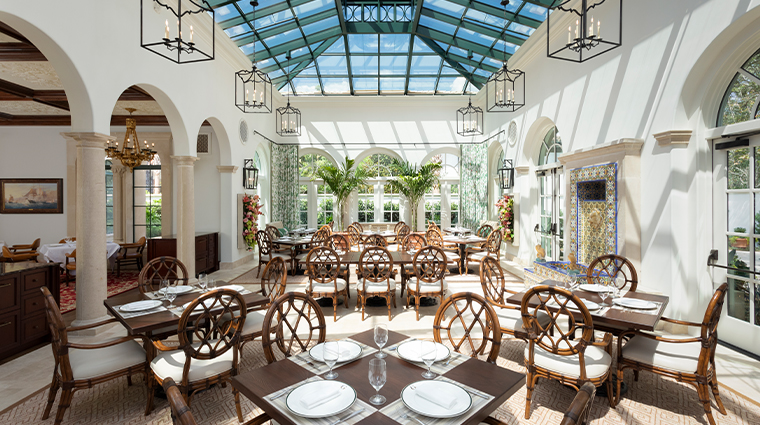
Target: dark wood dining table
[399, 257]
[461, 243]
[496, 381]
[611, 319]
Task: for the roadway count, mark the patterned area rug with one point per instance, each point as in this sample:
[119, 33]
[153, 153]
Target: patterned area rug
[116, 285]
[651, 400]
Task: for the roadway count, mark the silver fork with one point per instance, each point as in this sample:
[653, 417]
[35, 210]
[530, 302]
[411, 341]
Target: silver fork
[413, 418]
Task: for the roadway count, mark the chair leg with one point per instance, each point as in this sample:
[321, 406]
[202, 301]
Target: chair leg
[716, 393]
[237, 405]
[389, 306]
[129, 380]
[530, 382]
[417, 304]
[258, 270]
[610, 394]
[63, 404]
[54, 386]
[703, 391]
[335, 307]
[620, 377]
[151, 381]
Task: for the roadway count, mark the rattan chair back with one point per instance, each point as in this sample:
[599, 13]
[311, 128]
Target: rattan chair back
[376, 264]
[430, 265]
[158, 269]
[577, 413]
[374, 240]
[294, 323]
[484, 231]
[321, 236]
[354, 235]
[339, 242]
[322, 265]
[493, 282]
[613, 268]
[560, 339]
[470, 324]
[434, 237]
[274, 279]
[403, 232]
[358, 226]
[211, 325]
[398, 226]
[493, 243]
[414, 242]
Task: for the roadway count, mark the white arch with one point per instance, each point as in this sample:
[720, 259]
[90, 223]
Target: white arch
[531, 147]
[225, 150]
[371, 151]
[449, 149]
[317, 151]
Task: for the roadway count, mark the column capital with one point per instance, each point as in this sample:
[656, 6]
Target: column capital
[89, 139]
[184, 160]
[227, 168]
[118, 168]
[522, 169]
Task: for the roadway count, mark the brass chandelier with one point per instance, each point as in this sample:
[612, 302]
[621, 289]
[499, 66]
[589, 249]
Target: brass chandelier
[130, 154]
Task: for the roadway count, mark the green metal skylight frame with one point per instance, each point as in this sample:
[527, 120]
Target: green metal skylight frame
[314, 30]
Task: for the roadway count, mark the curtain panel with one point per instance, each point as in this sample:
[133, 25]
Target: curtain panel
[473, 185]
[284, 184]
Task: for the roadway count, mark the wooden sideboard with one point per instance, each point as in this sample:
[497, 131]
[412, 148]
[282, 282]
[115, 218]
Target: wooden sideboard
[206, 250]
[23, 323]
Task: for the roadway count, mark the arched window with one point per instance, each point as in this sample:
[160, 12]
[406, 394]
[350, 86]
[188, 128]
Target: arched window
[313, 191]
[146, 200]
[376, 200]
[551, 200]
[449, 177]
[551, 147]
[740, 103]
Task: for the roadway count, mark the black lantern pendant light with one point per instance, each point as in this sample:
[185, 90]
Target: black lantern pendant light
[505, 90]
[168, 29]
[288, 118]
[250, 175]
[506, 175]
[253, 89]
[584, 39]
[470, 120]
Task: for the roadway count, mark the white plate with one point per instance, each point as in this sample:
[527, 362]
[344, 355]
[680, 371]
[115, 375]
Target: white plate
[348, 351]
[410, 351]
[179, 289]
[237, 288]
[635, 303]
[589, 305]
[345, 399]
[209, 302]
[140, 306]
[424, 407]
[588, 287]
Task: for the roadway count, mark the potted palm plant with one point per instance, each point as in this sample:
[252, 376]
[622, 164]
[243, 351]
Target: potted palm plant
[342, 181]
[413, 182]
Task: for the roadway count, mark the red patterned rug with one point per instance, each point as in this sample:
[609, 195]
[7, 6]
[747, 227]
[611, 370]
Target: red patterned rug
[116, 285]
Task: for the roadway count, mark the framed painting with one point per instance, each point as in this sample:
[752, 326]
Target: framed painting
[31, 196]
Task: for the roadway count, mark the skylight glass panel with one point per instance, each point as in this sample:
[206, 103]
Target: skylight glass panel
[237, 30]
[265, 63]
[427, 65]
[394, 43]
[276, 73]
[493, 62]
[496, 22]
[522, 29]
[437, 25]
[475, 37]
[313, 7]
[511, 48]
[321, 25]
[393, 65]
[447, 70]
[299, 52]
[446, 7]
[364, 65]
[335, 85]
[307, 86]
[468, 68]
[458, 51]
[245, 6]
[533, 11]
[225, 13]
[365, 85]
[337, 47]
[273, 19]
[248, 48]
[421, 47]
[511, 7]
[362, 43]
[311, 69]
[282, 38]
[443, 46]
[483, 73]
[332, 65]
[392, 85]
[451, 85]
[422, 85]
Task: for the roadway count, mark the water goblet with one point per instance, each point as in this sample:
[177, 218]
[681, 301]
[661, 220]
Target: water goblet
[605, 292]
[171, 295]
[330, 353]
[381, 338]
[428, 352]
[163, 288]
[211, 283]
[572, 280]
[202, 280]
[377, 378]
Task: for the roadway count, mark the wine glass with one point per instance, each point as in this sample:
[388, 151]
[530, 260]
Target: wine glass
[428, 352]
[202, 280]
[605, 292]
[163, 288]
[377, 377]
[381, 338]
[330, 353]
[171, 294]
[572, 279]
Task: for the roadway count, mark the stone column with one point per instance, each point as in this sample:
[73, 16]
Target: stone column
[228, 226]
[91, 226]
[186, 211]
[119, 205]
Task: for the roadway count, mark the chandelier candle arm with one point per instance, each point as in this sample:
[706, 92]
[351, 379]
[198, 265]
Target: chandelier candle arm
[131, 155]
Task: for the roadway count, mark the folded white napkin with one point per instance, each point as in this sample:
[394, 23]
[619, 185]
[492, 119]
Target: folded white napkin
[315, 399]
[446, 401]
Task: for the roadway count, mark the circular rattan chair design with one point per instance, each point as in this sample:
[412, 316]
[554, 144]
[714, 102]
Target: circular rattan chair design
[402, 233]
[319, 238]
[491, 248]
[266, 249]
[555, 351]
[484, 231]
[429, 268]
[398, 226]
[435, 238]
[354, 236]
[294, 323]
[273, 284]
[613, 268]
[157, 269]
[470, 325]
[411, 243]
[339, 242]
[358, 226]
[323, 268]
[376, 269]
[374, 240]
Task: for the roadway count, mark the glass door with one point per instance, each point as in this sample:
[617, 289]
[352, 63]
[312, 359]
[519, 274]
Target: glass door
[736, 236]
[550, 229]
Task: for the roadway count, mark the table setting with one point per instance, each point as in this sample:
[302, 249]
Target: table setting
[56, 252]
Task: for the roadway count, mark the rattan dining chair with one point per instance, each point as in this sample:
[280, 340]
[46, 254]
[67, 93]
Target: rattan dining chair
[323, 268]
[354, 236]
[293, 324]
[319, 238]
[411, 243]
[402, 233]
[435, 238]
[376, 269]
[158, 269]
[613, 268]
[69, 265]
[491, 248]
[12, 257]
[273, 284]
[429, 269]
[25, 248]
[181, 413]
[208, 352]
[266, 250]
[82, 366]
[556, 351]
[358, 226]
[340, 243]
[577, 413]
[125, 257]
[688, 360]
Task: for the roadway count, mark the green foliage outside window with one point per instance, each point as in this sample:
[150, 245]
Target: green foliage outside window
[153, 219]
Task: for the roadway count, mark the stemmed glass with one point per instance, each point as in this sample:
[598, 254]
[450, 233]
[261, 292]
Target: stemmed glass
[377, 378]
[428, 352]
[572, 279]
[163, 289]
[202, 281]
[605, 292]
[211, 283]
[171, 294]
[330, 353]
[381, 338]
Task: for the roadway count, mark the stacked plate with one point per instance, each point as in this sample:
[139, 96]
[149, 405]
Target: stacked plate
[436, 399]
[634, 303]
[349, 351]
[410, 351]
[179, 289]
[140, 306]
[588, 287]
[320, 399]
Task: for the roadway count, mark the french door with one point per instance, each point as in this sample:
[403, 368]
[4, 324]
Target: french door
[736, 236]
[550, 229]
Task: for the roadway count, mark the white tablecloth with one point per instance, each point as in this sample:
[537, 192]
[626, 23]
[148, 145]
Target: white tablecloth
[56, 253]
[2, 244]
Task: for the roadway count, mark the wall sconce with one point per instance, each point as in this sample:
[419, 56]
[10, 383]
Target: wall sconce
[506, 175]
[250, 175]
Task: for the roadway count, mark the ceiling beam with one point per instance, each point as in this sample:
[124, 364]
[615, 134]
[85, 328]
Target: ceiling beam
[276, 7]
[298, 43]
[472, 26]
[462, 44]
[65, 120]
[499, 12]
[342, 19]
[415, 24]
[292, 25]
[7, 30]
[379, 27]
[20, 52]
[452, 63]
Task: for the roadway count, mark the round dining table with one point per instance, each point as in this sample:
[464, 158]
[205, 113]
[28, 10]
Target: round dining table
[56, 252]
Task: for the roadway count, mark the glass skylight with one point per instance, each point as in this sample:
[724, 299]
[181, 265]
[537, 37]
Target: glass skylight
[359, 48]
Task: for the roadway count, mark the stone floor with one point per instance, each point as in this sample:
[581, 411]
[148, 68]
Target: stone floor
[25, 375]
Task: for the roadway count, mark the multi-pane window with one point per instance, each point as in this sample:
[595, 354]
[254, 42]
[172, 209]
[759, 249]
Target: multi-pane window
[551, 147]
[324, 205]
[551, 181]
[313, 191]
[146, 201]
[433, 205]
[303, 205]
[740, 103]
[109, 198]
[391, 212]
[366, 204]
[454, 203]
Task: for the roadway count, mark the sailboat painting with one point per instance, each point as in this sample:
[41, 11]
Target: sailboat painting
[31, 196]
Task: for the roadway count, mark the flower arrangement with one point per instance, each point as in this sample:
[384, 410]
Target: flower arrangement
[506, 217]
[251, 212]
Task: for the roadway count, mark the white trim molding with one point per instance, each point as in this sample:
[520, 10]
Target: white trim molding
[673, 138]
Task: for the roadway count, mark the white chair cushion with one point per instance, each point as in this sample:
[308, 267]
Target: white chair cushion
[302, 256]
[171, 364]
[283, 256]
[479, 255]
[667, 355]
[375, 286]
[86, 364]
[597, 362]
[412, 284]
[512, 319]
[329, 287]
[254, 321]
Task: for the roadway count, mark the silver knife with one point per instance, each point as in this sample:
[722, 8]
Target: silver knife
[347, 417]
[280, 394]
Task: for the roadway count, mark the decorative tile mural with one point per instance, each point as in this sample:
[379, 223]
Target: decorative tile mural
[473, 185]
[593, 211]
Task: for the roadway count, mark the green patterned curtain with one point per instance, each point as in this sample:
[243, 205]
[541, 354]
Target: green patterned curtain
[284, 181]
[473, 184]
